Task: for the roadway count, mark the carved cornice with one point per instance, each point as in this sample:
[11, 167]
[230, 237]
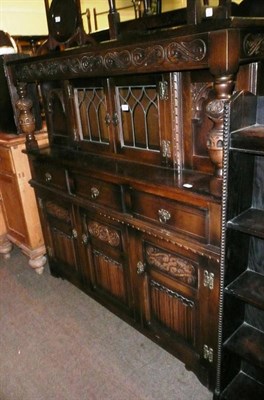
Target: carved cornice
[168, 55]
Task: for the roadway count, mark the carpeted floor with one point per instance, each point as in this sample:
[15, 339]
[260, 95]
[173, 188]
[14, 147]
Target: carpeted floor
[58, 344]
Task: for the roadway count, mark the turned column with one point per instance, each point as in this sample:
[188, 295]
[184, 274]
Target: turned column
[26, 117]
[224, 47]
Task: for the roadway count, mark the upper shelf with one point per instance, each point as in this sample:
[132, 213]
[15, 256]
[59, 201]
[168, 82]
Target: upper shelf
[250, 221]
[249, 139]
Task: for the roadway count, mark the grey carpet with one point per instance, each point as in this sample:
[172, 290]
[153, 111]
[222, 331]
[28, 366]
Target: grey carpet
[58, 344]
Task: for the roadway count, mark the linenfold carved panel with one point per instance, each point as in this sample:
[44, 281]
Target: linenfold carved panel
[104, 233]
[169, 53]
[173, 265]
[179, 314]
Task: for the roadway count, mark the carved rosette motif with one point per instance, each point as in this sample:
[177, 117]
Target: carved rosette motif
[104, 233]
[253, 44]
[116, 61]
[173, 265]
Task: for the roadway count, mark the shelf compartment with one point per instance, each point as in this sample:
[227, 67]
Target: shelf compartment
[243, 387]
[250, 139]
[250, 221]
[248, 287]
[248, 343]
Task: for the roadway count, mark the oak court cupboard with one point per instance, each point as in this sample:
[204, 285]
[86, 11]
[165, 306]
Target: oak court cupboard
[150, 191]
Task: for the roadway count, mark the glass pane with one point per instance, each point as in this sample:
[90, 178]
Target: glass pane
[140, 119]
[91, 104]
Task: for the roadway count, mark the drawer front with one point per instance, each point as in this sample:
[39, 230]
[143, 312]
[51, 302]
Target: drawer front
[50, 175]
[98, 191]
[6, 163]
[170, 214]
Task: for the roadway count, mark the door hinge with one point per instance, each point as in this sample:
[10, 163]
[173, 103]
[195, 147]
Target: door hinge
[166, 148]
[209, 279]
[163, 90]
[208, 353]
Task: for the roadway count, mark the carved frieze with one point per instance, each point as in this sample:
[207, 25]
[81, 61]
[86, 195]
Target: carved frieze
[173, 265]
[168, 53]
[104, 233]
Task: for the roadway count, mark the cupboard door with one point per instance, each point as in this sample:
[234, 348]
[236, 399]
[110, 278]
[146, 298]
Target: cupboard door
[58, 117]
[175, 302]
[93, 113]
[107, 269]
[142, 115]
[60, 233]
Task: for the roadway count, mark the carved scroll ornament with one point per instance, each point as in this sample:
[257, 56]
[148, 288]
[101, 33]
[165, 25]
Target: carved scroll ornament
[104, 233]
[169, 52]
[175, 266]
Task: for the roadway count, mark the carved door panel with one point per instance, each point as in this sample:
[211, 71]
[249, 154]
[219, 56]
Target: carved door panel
[143, 116]
[174, 302]
[106, 266]
[61, 236]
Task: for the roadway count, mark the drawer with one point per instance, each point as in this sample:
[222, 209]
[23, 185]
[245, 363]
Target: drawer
[6, 162]
[50, 175]
[171, 214]
[98, 191]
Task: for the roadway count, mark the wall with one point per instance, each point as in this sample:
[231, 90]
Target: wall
[28, 17]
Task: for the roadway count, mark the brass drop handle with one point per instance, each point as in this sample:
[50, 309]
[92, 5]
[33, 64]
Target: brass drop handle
[141, 268]
[94, 192]
[164, 215]
[48, 177]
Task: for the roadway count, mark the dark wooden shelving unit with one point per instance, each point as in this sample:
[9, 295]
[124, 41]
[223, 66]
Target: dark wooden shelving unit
[242, 363]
